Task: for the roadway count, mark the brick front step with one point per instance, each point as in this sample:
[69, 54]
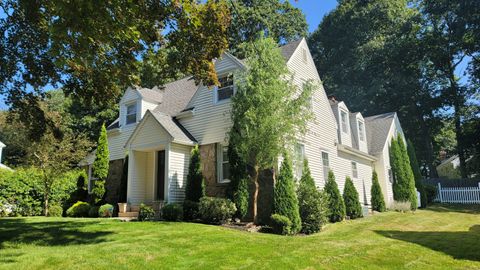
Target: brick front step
[128, 214]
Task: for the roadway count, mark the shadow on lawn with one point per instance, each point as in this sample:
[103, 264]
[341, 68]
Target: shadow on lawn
[54, 233]
[459, 208]
[459, 245]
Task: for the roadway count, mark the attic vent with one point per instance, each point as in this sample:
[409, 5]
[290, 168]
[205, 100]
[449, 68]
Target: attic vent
[304, 55]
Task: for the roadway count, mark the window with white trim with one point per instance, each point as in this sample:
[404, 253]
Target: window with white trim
[225, 90]
[354, 170]
[298, 160]
[91, 179]
[131, 115]
[344, 120]
[223, 164]
[326, 165]
[361, 131]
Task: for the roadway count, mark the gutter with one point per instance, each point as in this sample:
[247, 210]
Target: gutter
[355, 152]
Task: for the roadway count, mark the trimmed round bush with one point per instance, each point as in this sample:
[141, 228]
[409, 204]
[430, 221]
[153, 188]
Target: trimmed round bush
[216, 210]
[105, 210]
[281, 224]
[336, 203]
[190, 210]
[146, 213]
[79, 209]
[93, 211]
[55, 210]
[353, 208]
[172, 212]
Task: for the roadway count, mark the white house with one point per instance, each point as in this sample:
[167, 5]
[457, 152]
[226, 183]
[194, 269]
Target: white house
[157, 129]
[2, 166]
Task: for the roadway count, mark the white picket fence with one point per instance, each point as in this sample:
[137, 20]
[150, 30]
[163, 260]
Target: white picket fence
[465, 195]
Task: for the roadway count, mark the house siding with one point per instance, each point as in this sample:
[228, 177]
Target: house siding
[211, 120]
[117, 140]
[179, 160]
[152, 135]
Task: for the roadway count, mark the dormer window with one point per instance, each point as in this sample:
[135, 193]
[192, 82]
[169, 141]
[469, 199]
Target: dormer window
[361, 131]
[225, 90]
[131, 116]
[343, 116]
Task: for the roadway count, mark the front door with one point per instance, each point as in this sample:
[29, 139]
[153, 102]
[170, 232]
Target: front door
[160, 176]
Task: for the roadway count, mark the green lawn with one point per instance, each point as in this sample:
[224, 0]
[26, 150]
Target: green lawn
[438, 238]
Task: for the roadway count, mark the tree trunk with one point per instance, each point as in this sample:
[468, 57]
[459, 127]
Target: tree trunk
[255, 195]
[45, 204]
[457, 105]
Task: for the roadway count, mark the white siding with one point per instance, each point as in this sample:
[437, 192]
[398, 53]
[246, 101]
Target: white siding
[152, 135]
[211, 121]
[141, 175]
[179, 159]
[117, 140]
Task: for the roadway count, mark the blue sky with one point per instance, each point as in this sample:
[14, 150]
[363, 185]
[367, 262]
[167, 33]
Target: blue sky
[314, 10]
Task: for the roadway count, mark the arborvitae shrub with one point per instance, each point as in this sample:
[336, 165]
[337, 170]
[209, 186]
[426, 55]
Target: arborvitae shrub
[285, 200]
[313, 204]
[100, 166]
[353, 208]
[417, 174]
[240, 198]
[378, 203]
[195, 188]
[408, 174]
[336, 204]
[190, 210]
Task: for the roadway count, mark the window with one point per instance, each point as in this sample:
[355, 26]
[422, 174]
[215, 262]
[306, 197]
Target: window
[223, 164]
[304, 56]
[354, 170]
[344, 121]
[326, 165]
[361, 131]
[298, 160]
[131, 116]
[390, 175]
[225, 90]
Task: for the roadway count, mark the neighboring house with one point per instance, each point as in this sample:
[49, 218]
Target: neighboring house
[449, 168]
[1, 165]
[158, 127]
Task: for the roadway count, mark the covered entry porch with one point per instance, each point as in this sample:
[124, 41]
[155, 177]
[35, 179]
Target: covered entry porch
[157, 164]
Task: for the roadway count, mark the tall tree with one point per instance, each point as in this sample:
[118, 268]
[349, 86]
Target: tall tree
[93, 50]
[378, 203]
[101, 165]
[404, 185]
[336, 204]
[373, 48]
[416, 173]
[277, 18]
[353, 208]
[451, 31]
[267, 113]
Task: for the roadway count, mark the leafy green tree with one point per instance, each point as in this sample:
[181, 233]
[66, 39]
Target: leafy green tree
[377, 200]
[94, 51]
[267, 113]
[100, 166]
[195, 188]
[279, 19]
[285, 200]
[408, 173]
[353, 208]
[416, 173]
[357, 46]
[336, 203]
[313, 204]
[238, 190]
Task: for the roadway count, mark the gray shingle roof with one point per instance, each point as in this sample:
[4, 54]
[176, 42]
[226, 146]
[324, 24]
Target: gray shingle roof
[289, 48]
[176, 96]
[377, 127]
[174, 128]
[151, 94]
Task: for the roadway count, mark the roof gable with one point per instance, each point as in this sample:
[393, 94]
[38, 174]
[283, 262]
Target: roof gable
[378, 128]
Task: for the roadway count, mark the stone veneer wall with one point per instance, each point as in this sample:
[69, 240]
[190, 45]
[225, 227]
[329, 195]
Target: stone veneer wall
[113, 184]
[209, 169]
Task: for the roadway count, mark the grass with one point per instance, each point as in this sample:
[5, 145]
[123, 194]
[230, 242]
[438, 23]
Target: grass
[438, 238]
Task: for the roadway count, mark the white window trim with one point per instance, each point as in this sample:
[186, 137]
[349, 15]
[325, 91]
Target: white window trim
[361, 130]
[220, 162]
[346, 121]
[354, 171]
[299, 167]
[91, 179]
[215, 91]
[126, 112]
[325, 173]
